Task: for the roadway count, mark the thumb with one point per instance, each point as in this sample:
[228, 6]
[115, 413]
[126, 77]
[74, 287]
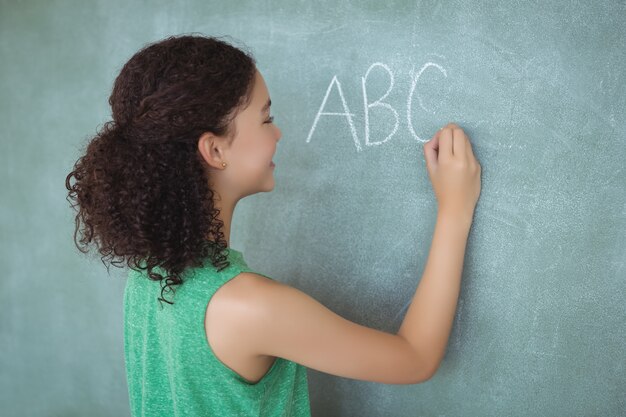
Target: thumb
[431, 149]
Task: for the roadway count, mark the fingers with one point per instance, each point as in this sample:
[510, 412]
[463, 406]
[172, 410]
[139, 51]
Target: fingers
[446, 141]
[445, 144]
[449, 141]
[459, 142]
[460, 145]
[430, 151]
[469, 149]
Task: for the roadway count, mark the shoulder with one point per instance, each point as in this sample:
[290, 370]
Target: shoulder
[248, 285]
[242, 296]
[234, 312]
[249, 301]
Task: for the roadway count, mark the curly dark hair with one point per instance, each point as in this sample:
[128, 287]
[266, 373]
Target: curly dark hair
[142, 187]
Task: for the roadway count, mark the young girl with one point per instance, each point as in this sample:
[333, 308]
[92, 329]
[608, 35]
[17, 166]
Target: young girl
[191, 135]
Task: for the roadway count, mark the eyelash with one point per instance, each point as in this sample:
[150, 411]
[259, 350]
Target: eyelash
[270, 120]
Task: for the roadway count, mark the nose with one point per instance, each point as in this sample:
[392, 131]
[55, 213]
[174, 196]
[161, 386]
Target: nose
[279, 133]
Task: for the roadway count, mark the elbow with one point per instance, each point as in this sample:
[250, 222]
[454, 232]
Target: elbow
[431, 373]
[428, 364]
[427, 374]
[433, 363]
[434, 368]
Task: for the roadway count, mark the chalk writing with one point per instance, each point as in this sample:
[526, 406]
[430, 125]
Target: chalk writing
[334, 82]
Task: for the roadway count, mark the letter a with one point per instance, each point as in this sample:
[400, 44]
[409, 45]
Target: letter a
[346, 113]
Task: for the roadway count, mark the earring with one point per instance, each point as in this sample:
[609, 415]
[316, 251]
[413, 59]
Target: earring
[223, 164]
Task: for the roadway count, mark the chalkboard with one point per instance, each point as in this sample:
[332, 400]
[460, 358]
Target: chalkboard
[357, 88]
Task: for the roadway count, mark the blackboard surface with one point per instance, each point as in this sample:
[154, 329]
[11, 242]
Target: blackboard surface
[357, 88]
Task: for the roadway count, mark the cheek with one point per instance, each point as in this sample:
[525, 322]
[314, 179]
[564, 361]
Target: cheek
[256, 159]
[256, 152]
[262, 151]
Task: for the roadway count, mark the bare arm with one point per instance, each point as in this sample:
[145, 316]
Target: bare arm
[279, 320]
[428, 321]
[273, 319]
[455, 176]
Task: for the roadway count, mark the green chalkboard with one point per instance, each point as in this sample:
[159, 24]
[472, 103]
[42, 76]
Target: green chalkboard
[357, 88]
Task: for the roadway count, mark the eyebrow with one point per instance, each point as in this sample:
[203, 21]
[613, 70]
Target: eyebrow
[267, 105]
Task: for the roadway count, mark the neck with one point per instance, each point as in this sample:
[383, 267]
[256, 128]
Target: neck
[226, 207]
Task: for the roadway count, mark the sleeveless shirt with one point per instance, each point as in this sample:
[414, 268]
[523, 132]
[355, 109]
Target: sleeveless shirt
[171, 369]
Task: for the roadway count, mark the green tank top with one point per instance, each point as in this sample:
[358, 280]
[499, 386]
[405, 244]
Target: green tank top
[171, 369]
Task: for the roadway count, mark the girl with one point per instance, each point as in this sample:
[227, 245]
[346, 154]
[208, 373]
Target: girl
[191, 135]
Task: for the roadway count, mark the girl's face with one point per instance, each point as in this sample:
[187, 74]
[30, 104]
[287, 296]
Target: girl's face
[249, 158]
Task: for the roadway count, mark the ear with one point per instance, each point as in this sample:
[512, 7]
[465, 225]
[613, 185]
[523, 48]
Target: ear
[212, 148]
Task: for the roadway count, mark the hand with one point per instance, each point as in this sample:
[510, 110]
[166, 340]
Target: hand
[453, 170]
